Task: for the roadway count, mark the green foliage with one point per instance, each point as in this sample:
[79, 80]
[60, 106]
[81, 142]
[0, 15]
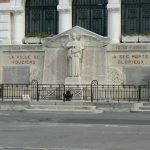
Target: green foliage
[41, 34]
[130, 34]
[147, 33]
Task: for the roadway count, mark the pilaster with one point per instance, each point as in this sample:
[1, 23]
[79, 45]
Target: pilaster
[114, 20]
[18, 30]
[5, 27]
[65, 15]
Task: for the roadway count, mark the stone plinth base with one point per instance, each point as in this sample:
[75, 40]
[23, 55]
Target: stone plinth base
[73, 80]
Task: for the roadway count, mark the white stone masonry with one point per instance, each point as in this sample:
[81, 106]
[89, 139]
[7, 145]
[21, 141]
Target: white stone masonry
[114, 20]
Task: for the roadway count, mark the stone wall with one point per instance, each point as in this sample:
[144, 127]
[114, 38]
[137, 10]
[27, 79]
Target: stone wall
[21, 63]
[128, 63]
[48, 63]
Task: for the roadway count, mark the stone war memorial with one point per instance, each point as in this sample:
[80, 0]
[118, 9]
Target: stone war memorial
[105, 46]
[76, 56]
[94, 49]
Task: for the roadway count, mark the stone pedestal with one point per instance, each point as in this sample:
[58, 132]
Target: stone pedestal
[73, 80]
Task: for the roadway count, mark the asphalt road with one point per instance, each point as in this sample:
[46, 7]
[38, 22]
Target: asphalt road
[74, 131]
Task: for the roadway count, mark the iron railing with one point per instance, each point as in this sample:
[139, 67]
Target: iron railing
[88, 92]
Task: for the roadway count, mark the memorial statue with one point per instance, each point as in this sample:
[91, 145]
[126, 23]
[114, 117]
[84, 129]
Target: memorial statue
[75, 49]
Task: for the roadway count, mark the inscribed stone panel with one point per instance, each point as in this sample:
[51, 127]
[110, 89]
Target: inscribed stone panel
[137, 75]
[16, 75]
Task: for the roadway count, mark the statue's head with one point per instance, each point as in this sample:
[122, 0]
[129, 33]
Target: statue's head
[74, 36]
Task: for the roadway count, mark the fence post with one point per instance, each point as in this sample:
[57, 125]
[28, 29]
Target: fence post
[2, 94]
[34, 84]
[37, 91]
[148, 91]
[64, 92]
[1, 91]
[139, 93]
[94, 84]
[12, 92]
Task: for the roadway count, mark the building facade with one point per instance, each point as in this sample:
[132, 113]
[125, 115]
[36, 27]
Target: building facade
[125, 22]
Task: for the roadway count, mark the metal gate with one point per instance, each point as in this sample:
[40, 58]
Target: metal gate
[51, 91]
[46, 91]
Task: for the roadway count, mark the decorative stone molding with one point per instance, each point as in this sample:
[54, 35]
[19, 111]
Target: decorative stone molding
[144, 38]
[63, 8]
[25, 47]
[114, 76]
[98, 40]
[18, 12]
[32, 40]
[114, 7]
[114, 1]
[130, 39]
[11, 9]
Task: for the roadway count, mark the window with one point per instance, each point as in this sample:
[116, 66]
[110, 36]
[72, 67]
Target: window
[41, 16]
[91, 14]
[135, 16]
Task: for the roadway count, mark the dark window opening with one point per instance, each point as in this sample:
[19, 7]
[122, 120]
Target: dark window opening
[41, 17]
[91, 15]
[135, 17]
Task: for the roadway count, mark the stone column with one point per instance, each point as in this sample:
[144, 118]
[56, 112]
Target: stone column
[65, 15]
[18, 32]
[114, 20]
[5, 27]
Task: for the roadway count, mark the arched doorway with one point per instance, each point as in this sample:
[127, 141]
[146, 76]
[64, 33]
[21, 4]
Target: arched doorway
[41, 16]
[91, 14]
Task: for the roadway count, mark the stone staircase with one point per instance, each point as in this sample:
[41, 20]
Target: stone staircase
[79, 105]
[141, 107]
[62, 106]
[74, 105]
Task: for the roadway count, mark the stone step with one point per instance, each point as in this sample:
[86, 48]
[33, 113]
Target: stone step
[144, 108]
[140, 111]
[146, 104]
[70, 107]
[56, 102]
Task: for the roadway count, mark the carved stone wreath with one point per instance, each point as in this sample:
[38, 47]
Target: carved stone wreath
[114, 76]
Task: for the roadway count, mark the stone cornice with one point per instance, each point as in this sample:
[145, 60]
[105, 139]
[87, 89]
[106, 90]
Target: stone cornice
[12, 9]
[21, 48]
[18, 11]
[63, 8]
[127, 47]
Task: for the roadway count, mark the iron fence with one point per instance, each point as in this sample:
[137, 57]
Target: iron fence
[88, 92]
[80, 92]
